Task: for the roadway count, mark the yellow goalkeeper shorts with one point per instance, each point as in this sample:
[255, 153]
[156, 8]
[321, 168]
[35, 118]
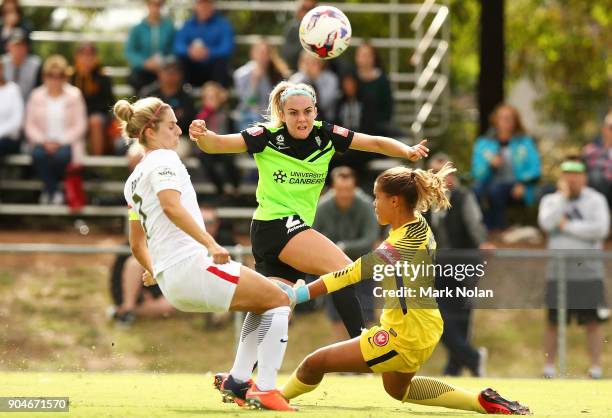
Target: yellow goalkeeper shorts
[381, 353]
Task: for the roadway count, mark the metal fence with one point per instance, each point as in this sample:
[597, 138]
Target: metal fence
[238, 252]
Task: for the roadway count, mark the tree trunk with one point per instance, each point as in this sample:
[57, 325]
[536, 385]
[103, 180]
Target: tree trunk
[491, 78]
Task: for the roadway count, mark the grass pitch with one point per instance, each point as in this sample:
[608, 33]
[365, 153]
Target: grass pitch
[190, 395]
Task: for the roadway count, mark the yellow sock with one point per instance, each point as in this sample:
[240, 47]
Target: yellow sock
[434, 392]
[294, 387]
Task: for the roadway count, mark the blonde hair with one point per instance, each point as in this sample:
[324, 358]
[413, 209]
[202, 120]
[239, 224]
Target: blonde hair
[420, 189]
[275, 108]
[135, 118]
[55, 62]
[217, 89]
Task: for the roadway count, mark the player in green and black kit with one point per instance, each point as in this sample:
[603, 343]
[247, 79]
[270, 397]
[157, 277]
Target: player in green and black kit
[292, 152]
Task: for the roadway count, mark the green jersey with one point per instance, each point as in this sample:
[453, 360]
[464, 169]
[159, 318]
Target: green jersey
[292, 172]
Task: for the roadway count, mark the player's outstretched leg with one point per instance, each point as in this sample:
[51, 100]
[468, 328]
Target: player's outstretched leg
[263, 339]
[429, 391]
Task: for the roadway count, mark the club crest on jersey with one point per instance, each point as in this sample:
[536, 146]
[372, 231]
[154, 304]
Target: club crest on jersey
[381, 338]
[339, 130]
[318, 140]
[255, 130]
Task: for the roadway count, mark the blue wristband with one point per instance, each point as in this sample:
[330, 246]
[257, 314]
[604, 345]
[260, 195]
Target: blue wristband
[302, 294]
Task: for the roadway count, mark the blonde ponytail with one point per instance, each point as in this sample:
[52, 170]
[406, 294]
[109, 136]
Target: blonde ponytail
[135, 118]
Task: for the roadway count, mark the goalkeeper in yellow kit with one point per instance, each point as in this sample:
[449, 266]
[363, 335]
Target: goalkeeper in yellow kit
[410, 327]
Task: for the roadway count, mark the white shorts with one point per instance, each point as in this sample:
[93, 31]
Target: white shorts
[198, 285]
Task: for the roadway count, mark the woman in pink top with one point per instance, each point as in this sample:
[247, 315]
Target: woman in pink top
[55, 126]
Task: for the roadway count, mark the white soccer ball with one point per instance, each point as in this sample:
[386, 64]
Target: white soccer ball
[325, 32]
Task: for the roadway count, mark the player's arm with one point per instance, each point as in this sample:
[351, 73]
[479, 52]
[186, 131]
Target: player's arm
[388, 146]
[138, 245]
[360, 269]
[211, 143]
[170, 201]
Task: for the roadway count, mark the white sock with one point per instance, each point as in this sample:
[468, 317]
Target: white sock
[272, 335]
[246, 356]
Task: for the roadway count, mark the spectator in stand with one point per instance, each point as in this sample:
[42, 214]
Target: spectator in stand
[346, 216]
[459, 233]
[19, 65]
[148, 43]
[577, 218]
[374, 91]
[55, 126]
[204, 45]
[218, 167]
[598, 158]
[11, 116]
[313, 72]
[505, 166]
[350, 108]
[171, 88]
[254, 82]
[97, 90]
[11, 17]
[291, 48]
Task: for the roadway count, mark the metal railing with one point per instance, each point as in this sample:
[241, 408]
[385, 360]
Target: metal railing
[238, 252]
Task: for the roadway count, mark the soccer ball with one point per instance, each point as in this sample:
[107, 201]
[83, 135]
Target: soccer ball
[325, 32]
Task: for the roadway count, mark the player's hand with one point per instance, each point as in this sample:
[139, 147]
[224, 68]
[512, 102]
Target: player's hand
[563, 188]
[288, 291]
[219, 254]
[418, 151]
[148, 279]
[197, 129]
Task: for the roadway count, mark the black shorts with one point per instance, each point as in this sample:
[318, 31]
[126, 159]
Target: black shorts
[116, 288]
[583, 316]
[268, 238]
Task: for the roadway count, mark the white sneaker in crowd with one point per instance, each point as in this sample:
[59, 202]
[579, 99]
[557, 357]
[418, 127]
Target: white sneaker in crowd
[550, 372]
[57, 199]
[595, 372]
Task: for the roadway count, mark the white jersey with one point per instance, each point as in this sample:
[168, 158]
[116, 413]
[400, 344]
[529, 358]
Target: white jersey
[160, 170]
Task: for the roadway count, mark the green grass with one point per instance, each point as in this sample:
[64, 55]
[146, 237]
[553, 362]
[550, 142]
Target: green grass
[186, 395]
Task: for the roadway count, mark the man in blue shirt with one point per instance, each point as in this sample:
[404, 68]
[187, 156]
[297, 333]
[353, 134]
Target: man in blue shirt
[204, 45]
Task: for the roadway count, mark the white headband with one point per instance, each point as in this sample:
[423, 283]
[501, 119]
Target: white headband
[293, 91]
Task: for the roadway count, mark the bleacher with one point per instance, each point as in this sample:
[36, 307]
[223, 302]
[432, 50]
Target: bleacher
[404, 95]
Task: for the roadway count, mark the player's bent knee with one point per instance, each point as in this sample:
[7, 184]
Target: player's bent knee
[396, 391]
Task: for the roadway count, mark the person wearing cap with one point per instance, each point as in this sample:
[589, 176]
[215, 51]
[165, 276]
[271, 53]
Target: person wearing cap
[20, 66]
[172, 90]
[577, 218]
[97, 89]
[148, 43]
[204, 45]
[598, 159]
[55, 126]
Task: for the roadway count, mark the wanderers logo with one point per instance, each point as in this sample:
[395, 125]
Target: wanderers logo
[279, 176]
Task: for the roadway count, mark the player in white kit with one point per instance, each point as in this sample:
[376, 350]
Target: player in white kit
[195, 274]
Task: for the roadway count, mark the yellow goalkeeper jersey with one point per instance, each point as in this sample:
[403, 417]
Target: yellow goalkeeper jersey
[404, 283]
